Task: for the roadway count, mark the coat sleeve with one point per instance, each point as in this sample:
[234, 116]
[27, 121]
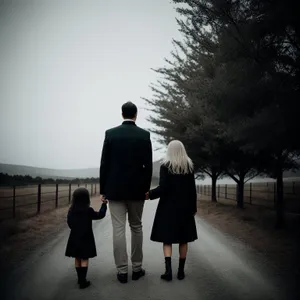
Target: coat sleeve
[193, 194]
[104, 164]
[98, 215]
[69, 219]
[161, 189]
[148, 164]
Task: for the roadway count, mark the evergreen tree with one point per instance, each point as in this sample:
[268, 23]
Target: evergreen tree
[232, 93]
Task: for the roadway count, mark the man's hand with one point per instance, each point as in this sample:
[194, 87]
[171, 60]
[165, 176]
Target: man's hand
[102, 198]
[147, 196]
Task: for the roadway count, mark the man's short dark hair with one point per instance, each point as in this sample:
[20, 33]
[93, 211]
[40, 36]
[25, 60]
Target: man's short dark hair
[129, 110]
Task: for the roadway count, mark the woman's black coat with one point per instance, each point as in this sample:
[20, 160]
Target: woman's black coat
[81, 243]
[174, 220]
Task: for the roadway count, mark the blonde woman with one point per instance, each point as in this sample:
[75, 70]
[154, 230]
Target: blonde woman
[174, 221]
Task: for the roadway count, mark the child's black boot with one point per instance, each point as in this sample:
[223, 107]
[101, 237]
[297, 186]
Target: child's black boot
[83, 283]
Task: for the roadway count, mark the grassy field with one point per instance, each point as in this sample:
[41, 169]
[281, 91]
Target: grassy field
[26, 199]
[258, 194]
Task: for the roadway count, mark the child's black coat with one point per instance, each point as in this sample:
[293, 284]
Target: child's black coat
[81, 243]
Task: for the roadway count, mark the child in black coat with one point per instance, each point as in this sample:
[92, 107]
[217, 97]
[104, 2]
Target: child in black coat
[81, 243]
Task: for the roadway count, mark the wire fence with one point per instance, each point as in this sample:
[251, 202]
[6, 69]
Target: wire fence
[18, 202]
[260, 194]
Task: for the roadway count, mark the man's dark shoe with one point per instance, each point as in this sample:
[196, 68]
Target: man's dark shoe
[123, 278]
[137, 275]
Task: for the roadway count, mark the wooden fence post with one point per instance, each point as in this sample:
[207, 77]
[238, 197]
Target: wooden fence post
[92, 189]
[39, 199]
[70, 188]
[225, 191]
[14, 201]
[294, 192]
[250, 193]
[274, 188]
[78, 184]
[218, 191]
[85, 185]
[95, 188]
[56, 196]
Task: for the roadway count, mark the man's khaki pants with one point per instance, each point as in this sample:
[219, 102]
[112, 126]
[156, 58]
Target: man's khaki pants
[118, 211]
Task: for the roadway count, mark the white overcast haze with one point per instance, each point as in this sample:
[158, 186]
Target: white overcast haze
[66, 67]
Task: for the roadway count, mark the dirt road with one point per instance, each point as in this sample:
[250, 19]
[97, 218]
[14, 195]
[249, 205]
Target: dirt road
[218, 267]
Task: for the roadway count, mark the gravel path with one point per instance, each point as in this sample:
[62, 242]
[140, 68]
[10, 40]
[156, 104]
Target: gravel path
[218, 267]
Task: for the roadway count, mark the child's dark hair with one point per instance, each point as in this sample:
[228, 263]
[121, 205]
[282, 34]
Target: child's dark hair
[80, 200]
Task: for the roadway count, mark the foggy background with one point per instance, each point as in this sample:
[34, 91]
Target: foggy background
[66, 67]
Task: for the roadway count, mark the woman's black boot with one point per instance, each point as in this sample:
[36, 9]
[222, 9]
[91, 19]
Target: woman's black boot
[168, 273]
[180, 274]
[78, 270]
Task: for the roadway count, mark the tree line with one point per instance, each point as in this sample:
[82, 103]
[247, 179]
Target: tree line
[230, 91]
[10, 180]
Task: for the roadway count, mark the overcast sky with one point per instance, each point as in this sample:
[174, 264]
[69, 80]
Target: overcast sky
[66, 67]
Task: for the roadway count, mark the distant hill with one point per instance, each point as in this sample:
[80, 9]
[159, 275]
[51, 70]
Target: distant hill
[288, 174]
[48, 173]
[80, 173]
[59, 173]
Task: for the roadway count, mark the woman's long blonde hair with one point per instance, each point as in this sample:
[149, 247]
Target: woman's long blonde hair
[177, 159]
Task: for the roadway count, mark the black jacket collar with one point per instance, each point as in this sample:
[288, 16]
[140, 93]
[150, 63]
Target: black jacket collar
[129, 123]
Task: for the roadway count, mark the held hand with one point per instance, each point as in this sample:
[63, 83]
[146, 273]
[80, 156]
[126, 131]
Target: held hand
[147, 196]
[102, 198]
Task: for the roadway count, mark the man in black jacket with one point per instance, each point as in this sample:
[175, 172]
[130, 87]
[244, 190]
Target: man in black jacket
[125, 178]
